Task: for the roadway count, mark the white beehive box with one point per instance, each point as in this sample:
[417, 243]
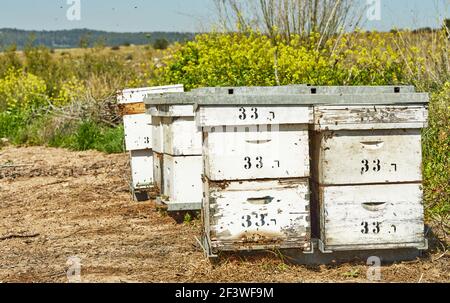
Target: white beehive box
[141, 169]
[275, 146]
[138, 132]
[367, 174]
[182, 182]
[138, 135]
[263, 154]
[253, 215]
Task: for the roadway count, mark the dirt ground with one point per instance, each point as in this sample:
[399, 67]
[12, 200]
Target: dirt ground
[56, 204]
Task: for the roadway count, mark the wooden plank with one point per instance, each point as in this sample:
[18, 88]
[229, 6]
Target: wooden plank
[369, 117]
[288, 99]
[182, 181]
[158, 172]
[132, 109]
[137, 95]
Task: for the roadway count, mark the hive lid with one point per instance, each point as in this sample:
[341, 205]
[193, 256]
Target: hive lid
[305, 96]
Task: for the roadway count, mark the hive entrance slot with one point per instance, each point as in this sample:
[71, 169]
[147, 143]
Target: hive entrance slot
[260, 201]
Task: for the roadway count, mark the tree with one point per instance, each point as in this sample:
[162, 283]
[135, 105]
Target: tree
[287, 17]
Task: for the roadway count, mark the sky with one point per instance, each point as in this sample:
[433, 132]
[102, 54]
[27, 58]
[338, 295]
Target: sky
[183, 15]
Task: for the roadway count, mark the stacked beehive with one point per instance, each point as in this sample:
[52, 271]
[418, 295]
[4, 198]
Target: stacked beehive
[138, 136]
[177, 150]
[365, 156]
[367, 177]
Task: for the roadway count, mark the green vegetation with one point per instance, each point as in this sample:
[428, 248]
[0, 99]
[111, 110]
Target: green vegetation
[84, 38]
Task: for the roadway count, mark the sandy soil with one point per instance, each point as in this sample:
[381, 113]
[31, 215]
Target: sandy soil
[55, 204]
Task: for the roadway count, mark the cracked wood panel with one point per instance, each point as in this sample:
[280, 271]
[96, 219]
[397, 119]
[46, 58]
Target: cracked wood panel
[365, 156]
[369, 216]
[369, 117]
[259, 214]
[210, 116]
[248, 153]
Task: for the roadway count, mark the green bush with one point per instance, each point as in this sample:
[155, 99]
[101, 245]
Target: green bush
[254, 59]
[161, 44]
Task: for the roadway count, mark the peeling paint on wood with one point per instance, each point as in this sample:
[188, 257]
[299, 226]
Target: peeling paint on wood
[254, 215]
[158, 160]
[369, 117]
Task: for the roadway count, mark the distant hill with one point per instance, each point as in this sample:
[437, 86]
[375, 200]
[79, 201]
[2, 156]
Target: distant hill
[84, 37]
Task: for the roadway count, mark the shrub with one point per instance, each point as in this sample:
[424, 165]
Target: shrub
[21, 91]
[436, 150]
[254, 59]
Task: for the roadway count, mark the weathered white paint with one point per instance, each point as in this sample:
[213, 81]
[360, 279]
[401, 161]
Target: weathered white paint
[137, 95]
[394, 215]
[365, 156]
[210, 116]
[142, 169]
[182, 181]
[174, 130]
[369, 117]
[138, 132]
[258, 214]
[172, 111]
[158, 160]
[248, 153]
